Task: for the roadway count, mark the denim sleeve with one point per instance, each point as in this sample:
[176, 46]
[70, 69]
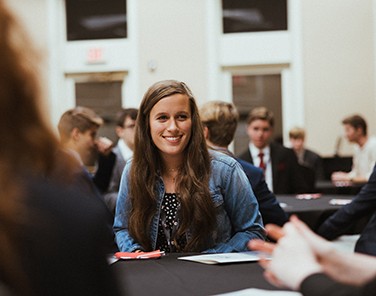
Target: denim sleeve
[243, 211]
[124, 241]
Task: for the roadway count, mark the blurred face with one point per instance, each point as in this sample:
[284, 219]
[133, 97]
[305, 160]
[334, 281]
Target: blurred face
[260, 133]
[351, 133]
[86, 147]
[171, 125]
[126, 132]
[297, 144]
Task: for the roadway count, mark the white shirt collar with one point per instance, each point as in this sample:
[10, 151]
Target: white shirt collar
[255, 151]
[125, 151]
[267, 160]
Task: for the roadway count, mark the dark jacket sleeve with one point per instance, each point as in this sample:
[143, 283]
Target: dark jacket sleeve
[297, 182]
[363, 204]
[320, 284]
[103, 174]
[64, 247]
[287, 176]
[270, 209]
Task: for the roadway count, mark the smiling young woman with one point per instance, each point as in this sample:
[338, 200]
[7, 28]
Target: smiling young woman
[175, 195]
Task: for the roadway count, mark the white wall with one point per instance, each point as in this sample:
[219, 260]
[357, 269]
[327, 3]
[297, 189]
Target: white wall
[172, 36]
[33, 16]
[339, 79]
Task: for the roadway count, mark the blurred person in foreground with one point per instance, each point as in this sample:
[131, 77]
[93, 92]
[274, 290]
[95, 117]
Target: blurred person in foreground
[175, 195]
[51, 239]
[364, 158]
[305, 262]
[220, 120]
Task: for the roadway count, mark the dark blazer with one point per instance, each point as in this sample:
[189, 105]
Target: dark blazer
[270, 209]
[84, 183]
[313, 160]
[103, 174]
[362, 205]
[321, 284]
[63, 244]
[287, 177]
[111, 194]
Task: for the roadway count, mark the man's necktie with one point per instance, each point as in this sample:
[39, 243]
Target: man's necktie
[262, 164]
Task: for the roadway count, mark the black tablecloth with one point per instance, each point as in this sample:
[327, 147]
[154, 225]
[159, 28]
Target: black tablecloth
[315, 211]
[327, 187]
[293, 204]
[170, 276]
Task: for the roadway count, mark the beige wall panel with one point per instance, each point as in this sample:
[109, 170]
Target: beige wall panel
[172, 38]
[338, 68]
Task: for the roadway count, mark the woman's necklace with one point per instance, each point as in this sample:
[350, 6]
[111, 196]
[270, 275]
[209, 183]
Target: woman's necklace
[172, 173]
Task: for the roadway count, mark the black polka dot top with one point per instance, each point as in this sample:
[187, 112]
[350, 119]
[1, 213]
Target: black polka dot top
[168, 225]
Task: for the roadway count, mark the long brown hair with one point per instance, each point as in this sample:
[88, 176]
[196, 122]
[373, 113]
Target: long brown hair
[28, 145]
[197, 213]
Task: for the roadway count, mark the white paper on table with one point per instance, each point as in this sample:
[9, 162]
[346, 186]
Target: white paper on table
[260, 292]
[111, 259]
[226, 257]
[339, 202]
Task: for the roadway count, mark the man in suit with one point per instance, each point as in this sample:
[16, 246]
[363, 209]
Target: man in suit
[78, 129]
[362, 205]
[220, 120]
[125, 128]
[280, 165]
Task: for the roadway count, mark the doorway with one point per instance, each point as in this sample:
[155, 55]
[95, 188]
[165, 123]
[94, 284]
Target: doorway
[250, 91]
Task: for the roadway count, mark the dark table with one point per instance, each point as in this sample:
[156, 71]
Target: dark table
[170, 276]
[338, 188]
[315, 211]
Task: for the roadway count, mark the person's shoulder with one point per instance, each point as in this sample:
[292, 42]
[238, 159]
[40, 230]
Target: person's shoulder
[69, 213]
[249, 167]
[219, 158]
[276, 147]
[244, 154]
[312, 153]
[57, 198]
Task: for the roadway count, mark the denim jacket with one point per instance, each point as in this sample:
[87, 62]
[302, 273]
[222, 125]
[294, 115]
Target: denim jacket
[238, 216]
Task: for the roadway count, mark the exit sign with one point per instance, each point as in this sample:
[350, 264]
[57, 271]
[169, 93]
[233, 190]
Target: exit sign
[95, 56]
